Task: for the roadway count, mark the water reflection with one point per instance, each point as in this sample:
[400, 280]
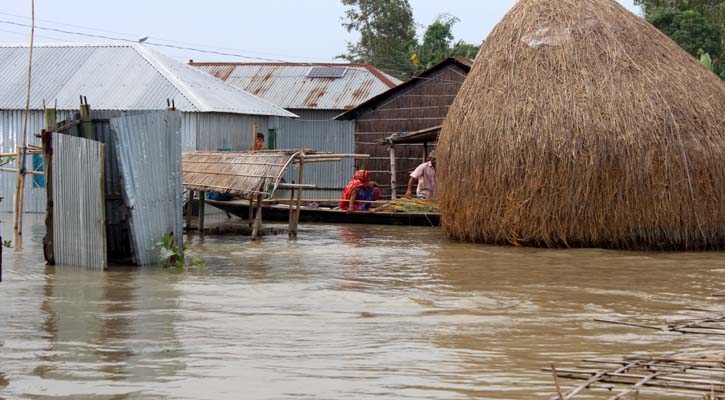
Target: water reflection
[344, 311]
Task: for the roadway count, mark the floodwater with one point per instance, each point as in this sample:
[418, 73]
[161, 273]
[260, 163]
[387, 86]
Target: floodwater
[358, 312]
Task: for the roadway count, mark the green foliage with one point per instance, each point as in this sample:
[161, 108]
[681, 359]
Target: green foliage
[387, 34]
[388, 40]
[173, 256]
[693, 24]
[690, 30]
[8, 243]
[438, 43]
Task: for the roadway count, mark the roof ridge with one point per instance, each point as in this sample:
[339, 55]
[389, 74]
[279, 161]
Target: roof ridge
[170, 77]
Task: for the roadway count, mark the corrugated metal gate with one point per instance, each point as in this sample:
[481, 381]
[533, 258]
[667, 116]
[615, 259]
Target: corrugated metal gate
[148, 146]
[79, 226]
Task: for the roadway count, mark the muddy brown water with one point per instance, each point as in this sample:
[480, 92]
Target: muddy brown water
[358, 312]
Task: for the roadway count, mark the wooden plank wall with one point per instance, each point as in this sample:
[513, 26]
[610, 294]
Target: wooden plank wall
[423, 105]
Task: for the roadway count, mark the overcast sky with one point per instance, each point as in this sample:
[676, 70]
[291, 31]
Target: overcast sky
[288, 30]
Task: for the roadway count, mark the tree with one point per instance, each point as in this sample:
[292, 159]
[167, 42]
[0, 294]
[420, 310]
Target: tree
[387, 34]
[438, 43]
[694, 24]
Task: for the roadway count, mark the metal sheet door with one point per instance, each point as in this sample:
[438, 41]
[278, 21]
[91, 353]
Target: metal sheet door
[79, 219]
[149, 155]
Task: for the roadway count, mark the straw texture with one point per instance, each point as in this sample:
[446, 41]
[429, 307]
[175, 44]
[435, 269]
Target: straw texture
[581, 125]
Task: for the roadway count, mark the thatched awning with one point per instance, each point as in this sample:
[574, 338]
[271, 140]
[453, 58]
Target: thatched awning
[422, 136]
[236, 173]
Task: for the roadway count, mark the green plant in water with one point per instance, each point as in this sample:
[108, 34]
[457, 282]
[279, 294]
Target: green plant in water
[173, 256]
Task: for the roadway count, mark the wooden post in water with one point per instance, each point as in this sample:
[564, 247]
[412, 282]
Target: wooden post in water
[251, 210]
[257, 218]
[189, 210]
[299, 191]
[393, 174]
[47, 135]
[202, 201]
[19, 189]
[292, 230]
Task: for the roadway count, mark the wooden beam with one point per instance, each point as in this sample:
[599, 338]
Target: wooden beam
[393, 174]
[292, 230]
[258, 218]
[189, 210]
[202, 201]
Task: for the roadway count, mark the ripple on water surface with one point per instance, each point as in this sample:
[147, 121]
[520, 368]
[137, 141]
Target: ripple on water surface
[344, 311]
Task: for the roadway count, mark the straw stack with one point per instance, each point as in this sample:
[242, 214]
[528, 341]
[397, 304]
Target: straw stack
[581, 125]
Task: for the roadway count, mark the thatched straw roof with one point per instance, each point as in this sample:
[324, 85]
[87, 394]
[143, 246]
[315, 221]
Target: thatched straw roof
[582, 125]
[237, 173]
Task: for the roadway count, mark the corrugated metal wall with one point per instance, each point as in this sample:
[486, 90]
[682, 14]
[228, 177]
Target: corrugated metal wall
[79, 221]
[11, 130]
[218, 131]
[316, 130]
[149, 154]
[117, 230]
[210, 131]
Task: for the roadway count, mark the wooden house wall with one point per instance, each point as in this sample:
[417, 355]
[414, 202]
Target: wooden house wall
[423, 105]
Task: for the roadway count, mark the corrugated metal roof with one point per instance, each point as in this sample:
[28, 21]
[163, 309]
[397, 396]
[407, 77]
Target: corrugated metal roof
[288, 84]
[117, 77]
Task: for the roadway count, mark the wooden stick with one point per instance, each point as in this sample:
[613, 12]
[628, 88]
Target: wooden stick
[393, 174]
[631, 324]
[4, 169]
[292, 230]
[594, 379]
[333, 201]
[660, 383]
[189, 210]
[299, 190]
[636, 387]
[202, 201]
[556, 380]
[257, 218]
[298, 186]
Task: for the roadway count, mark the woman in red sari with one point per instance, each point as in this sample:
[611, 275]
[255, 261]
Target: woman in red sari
[359, 188]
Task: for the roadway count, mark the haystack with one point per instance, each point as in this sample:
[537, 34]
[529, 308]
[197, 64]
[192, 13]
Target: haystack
[581, 125]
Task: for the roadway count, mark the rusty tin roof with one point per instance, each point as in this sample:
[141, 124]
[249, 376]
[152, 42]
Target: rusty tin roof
[292, 86]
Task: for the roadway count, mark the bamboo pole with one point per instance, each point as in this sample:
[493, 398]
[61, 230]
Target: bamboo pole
[202, 201]
[257, 218]
[20, 181]
[590, 381]
[556, 382]
[254, 136]
[19, 191]
[189, 210]
[393, 174]
[251, 211]
[292, 230]
[659, 328]
[299, 191]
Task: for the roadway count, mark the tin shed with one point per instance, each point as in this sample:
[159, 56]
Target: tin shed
[317, 93]
[129, 77]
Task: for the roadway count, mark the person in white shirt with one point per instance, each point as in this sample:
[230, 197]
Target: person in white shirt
[425, 175]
